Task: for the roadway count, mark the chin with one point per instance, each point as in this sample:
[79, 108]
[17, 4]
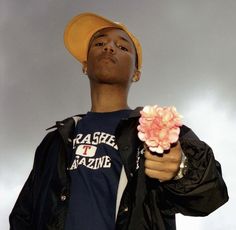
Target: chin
[106, 76]
[107, 80]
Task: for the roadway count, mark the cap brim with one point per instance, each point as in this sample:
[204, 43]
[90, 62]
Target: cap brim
[80, 30]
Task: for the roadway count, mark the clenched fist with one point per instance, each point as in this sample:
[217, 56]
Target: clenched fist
[165, 166]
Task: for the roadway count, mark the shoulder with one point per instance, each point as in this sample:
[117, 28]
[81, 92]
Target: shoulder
[48, 139]
[187, 133]
[48, 143]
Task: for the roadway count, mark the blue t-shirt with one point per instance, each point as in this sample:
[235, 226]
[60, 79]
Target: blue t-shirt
[95, 172]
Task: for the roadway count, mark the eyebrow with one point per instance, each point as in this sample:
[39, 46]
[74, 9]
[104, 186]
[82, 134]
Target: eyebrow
[105, 35]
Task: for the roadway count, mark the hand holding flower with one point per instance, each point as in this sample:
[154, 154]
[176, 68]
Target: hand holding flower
[159, 129]
[163, 167]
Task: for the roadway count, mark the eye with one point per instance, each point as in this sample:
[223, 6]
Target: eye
[99, 44]
[122, 48]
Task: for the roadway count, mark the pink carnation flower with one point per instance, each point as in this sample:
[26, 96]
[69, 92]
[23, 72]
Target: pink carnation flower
[159, 127]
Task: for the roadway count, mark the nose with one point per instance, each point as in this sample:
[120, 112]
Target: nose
[109, 47]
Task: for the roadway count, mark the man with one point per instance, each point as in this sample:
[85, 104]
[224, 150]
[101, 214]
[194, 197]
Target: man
[93, 172]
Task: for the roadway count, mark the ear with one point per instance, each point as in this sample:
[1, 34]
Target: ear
[84, 67]
[136, 76]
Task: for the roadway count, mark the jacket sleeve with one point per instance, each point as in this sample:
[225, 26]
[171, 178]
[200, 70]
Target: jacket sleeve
[21, 216]
[202, 190]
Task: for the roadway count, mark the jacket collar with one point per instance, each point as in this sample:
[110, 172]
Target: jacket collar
[66, 126]
[72, 121]
[136, 112]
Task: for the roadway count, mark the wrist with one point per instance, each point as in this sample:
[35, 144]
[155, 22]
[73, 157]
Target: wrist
[182, 167]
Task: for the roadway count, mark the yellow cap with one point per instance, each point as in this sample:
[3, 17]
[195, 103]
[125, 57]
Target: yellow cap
[82, 27]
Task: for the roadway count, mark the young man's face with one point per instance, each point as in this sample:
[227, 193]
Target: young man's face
[111, 57]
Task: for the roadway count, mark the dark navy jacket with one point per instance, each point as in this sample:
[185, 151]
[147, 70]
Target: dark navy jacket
[145, 203]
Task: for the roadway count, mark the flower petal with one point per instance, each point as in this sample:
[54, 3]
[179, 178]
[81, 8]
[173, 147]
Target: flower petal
[159, 127]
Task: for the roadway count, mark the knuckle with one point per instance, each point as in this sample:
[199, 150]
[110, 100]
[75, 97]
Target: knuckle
[146, 171]
[146, 163]
[146, 154]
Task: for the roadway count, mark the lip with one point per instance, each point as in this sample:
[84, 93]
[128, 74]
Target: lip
[108, 57]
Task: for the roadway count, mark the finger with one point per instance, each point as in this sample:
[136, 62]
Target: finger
[162, 176]
[161, 166]
[154, 165]
[153, 156]
[172, 157]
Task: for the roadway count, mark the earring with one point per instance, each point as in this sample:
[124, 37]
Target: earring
[85, 70]
[136, 76]
[134, 79]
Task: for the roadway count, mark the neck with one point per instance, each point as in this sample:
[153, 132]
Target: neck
[108, 97]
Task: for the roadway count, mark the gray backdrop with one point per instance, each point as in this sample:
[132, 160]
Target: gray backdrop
[189, 61]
